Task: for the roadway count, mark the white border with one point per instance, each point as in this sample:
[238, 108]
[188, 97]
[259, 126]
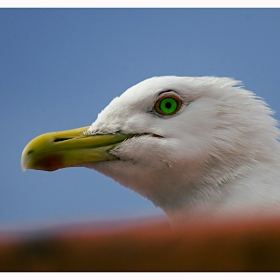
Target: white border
[139, 3]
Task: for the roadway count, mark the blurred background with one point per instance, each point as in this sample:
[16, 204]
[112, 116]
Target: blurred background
[60, 67]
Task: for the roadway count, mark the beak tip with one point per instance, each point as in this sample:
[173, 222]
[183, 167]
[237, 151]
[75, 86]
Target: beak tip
[23, 162]
[23, 167]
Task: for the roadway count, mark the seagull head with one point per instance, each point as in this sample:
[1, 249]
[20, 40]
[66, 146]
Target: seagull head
[188, 144]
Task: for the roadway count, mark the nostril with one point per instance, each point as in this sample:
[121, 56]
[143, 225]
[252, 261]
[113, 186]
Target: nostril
[60, 139]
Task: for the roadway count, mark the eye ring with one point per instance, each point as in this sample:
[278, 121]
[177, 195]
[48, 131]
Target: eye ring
[168, 104]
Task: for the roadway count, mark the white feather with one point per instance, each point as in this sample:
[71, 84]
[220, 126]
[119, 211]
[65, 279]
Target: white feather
[219, 154]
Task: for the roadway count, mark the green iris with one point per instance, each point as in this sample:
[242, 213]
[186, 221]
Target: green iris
[168, 105]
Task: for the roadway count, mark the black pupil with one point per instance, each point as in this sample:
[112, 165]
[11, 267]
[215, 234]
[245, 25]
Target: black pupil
[168, 105]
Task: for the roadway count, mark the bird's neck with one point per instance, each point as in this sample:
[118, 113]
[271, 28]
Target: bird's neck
[250, 190]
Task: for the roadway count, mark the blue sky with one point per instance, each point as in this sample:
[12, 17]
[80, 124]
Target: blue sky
[60, 67]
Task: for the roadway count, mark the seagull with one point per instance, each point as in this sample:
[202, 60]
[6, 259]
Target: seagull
[194, 146]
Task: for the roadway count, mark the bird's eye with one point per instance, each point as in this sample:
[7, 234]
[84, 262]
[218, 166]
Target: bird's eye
[168, 105]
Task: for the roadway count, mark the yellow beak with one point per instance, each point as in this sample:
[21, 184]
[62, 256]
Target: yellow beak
[55, 150]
